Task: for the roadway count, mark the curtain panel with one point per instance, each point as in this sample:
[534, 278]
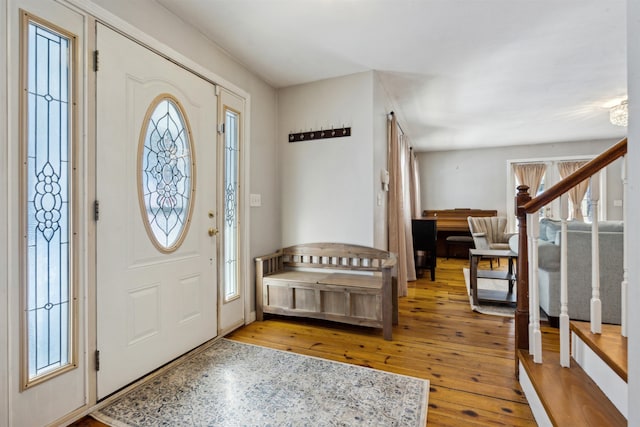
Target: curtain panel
[399, 213]
[530, 174]
[576, 194]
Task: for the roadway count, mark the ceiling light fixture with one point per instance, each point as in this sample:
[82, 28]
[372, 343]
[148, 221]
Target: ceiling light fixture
[619, 114]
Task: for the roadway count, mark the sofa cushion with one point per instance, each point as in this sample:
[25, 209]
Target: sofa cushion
[548, 256]
[549, 229]
[608, 226]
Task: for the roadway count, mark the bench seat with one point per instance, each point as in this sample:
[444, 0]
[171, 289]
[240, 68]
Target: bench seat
[331, 284]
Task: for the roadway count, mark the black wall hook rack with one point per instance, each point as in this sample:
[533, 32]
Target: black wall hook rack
[319, 134]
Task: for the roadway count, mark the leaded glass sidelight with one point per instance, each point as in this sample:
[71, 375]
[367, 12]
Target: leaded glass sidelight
[166, 171]
[230, 230]
[48, 194]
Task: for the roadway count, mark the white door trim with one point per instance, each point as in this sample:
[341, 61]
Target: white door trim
[4, 226]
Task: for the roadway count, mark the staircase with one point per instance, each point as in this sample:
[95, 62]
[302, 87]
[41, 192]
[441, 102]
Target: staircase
[591, 392]
[583, 381]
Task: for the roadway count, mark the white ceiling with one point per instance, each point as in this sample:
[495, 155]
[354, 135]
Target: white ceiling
[461, 73]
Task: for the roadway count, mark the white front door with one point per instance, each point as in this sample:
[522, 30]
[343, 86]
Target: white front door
[156, 188]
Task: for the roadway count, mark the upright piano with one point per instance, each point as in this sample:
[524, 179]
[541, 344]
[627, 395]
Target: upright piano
[453, 222]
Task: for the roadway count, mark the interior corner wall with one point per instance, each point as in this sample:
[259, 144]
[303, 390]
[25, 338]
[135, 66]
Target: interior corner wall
[477, 178]
[633, 207]
[381, 107]
[326, 184]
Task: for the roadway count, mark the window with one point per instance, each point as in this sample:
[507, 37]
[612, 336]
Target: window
[551, 176]
[166, 168]
[48, 201]
[230, 230]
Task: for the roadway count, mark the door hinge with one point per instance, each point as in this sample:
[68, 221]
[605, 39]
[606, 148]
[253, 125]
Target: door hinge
[96, 64]
[97, 360]
[96, 210]
[221, 128]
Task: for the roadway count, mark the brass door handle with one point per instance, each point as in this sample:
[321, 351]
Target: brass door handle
[213, 231]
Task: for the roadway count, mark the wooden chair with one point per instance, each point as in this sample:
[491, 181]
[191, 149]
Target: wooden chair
[490, 233]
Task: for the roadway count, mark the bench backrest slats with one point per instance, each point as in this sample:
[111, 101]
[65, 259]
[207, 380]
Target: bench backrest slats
[335, 256]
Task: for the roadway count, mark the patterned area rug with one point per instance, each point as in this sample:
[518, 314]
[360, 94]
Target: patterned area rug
[237, 384]
[487, 307]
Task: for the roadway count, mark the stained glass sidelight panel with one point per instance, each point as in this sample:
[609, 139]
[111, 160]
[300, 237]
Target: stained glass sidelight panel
[48, 198]
[230, 232]
[166, 170]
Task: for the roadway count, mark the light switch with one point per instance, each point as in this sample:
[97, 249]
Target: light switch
[617, 203]
[255, 200]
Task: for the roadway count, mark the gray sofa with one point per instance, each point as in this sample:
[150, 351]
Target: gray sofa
[579, 269]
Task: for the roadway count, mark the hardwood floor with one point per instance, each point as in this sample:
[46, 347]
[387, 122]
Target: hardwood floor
[467, 357]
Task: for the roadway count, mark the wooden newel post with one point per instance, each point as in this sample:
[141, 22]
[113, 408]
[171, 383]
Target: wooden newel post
[522, 307]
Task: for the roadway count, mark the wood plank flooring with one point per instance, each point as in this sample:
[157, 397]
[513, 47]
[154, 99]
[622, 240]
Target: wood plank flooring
[467, 357]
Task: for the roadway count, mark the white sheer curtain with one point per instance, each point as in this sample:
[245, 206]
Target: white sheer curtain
[399, 215]
[576, 194]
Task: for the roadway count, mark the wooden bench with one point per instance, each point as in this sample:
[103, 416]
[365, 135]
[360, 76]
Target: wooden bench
[331, 281]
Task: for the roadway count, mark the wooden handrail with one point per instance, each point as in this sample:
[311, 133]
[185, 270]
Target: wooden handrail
[526, 205]
[584, 172]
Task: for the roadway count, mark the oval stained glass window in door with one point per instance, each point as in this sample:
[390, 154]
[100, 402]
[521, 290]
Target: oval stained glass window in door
[166, 171]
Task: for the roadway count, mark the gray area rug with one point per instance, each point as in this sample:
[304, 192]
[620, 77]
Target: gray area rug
[486, 307]
[237, 384]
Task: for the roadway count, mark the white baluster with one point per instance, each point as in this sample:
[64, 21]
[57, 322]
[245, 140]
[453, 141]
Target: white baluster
[530, 272]
[625, 268]
[564, 294]
[596, 304]
[534, 295]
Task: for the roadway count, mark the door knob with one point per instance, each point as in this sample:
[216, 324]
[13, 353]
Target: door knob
[213, 231]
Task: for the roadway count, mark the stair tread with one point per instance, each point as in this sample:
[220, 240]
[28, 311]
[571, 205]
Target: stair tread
[610, 346]
[569, 396]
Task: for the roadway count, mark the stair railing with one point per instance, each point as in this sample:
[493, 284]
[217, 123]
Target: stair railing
[527, 316]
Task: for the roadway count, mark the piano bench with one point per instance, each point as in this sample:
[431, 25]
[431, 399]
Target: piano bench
[466, 241]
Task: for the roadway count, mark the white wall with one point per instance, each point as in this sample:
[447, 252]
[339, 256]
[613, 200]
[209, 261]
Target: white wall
[156, 21]
[478, 178]
[327, 185]
[633, 226]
